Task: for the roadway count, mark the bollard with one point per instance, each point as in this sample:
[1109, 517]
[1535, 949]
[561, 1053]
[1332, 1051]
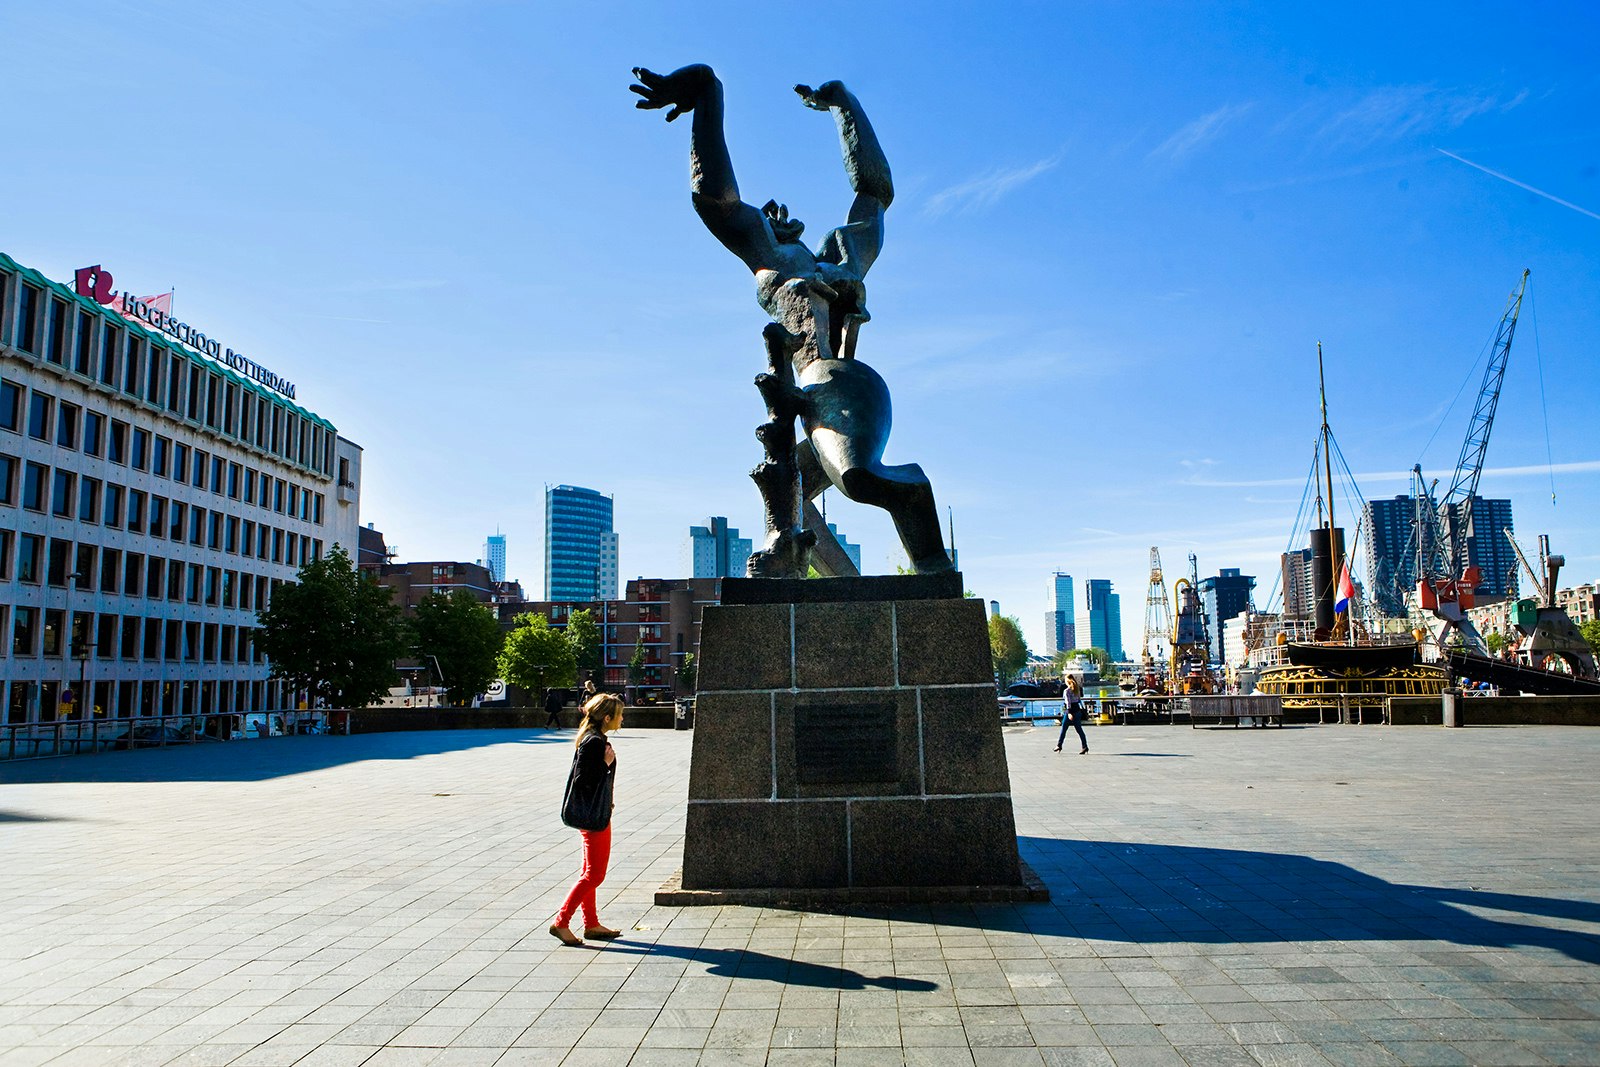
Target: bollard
[1454, 708]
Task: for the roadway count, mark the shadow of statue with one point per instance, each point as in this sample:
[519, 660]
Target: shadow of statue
[751, 965]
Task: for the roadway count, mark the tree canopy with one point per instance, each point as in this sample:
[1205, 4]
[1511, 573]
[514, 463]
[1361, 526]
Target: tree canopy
[333, 634]
[461, 638]
[1006, 645]
[1591, 633]
[1101, 659]
[584, 634]
[535, 657]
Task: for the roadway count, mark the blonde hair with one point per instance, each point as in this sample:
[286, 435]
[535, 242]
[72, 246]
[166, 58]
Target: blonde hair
[597, 711]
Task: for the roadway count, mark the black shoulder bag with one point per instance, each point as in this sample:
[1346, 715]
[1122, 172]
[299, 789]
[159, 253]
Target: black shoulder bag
[587, 802]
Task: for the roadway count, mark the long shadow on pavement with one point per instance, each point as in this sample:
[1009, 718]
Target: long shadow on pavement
[266, 758]
[760, 966]
[1120, 891]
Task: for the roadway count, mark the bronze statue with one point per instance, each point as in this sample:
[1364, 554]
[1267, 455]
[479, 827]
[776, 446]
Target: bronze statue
[817, 302]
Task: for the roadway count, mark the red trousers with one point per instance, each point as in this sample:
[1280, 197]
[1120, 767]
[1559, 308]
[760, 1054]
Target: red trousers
[596, 854]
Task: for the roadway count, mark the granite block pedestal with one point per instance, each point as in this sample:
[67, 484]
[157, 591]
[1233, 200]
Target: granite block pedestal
[847, 748]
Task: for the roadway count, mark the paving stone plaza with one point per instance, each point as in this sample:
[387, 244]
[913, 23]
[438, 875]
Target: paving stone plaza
[1336, 894]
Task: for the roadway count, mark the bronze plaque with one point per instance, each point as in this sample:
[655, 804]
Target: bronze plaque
[835, 744]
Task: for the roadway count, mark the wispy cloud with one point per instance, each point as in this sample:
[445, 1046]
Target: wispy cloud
[987, 189]
[391, 285]
[1188, 138]
[1520, 185]
[1395, 112]
[1588, 466]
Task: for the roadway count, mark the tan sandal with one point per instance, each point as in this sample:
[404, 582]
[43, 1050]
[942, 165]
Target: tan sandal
[601, 933]
[564, 935]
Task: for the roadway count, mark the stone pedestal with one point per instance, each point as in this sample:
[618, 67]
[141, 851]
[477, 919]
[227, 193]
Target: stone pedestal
[847, 747]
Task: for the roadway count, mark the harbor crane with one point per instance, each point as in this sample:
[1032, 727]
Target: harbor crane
[1157, 630]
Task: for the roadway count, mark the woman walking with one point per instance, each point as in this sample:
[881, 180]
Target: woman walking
[594, 770]
[1072, 713]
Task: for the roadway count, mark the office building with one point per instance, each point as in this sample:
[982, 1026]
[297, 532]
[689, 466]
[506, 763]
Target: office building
[494, 556]
[580, 546]
[155, 488]
[662, 614]
[1299, 598]
[413, 582]
[850, 549]
[1060, 628]
[716, 550]
[1104, 619]
[1391, 548]
[1223, 597]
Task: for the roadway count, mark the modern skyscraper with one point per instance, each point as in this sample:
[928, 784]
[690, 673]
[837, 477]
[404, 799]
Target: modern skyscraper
[853, 551]
[580, 547]
[716, 550]
[1391, 548]
[1060, 629]
[494, 556]
[1105, 617]
[1222, 597]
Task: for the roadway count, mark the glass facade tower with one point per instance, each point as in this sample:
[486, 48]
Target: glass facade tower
[580, 547]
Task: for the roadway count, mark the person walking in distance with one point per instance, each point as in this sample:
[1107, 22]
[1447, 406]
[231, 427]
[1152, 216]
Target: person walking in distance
[594, 771]
[554, 700]
[1072, 713]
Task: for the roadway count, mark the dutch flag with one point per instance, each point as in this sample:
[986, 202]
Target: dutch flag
[1347, 590]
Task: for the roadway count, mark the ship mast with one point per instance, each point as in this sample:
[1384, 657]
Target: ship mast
[1335, 549]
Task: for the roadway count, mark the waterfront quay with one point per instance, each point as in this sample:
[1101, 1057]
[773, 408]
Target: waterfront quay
[1310, 895]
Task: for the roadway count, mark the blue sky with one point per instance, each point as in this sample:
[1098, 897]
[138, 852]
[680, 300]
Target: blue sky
[1120, 232]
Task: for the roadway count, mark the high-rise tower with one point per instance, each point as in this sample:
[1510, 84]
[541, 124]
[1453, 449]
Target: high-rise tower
[580, 547]
[1060, 630]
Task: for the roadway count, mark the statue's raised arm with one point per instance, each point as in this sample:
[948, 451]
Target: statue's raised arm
[741, 228]
[868, 171]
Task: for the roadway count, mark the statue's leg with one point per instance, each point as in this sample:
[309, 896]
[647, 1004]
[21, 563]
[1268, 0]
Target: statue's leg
[907, 495]
[786, 552]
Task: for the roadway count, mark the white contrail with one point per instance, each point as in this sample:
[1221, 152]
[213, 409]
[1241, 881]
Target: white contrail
[1519, 185]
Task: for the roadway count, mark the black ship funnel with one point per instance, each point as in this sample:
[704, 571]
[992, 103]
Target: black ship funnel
[1327, 553]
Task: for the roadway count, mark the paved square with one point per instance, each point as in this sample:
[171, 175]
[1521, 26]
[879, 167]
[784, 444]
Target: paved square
[1345, 895]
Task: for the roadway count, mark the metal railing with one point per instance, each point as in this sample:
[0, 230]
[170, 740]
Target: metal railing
[67, 737]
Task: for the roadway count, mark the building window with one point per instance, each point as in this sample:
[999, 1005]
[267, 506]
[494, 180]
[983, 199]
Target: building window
[197, 526]
[131, 375]
[23, 635]
[249, 485]
[136, 500]
[61, 494]
[30, 558]
[158, 516]
[200, 459]
[133, 574]
[28, 301]
[67, 425]
[39, 416]
[8, 480]
[110, 570]
[89, 500]
[56, 566]
[10, 406]
[213, 402]
[180, 463]
[141, 449]
[93, 426]
[155, 572]
[83, 360]
[130, 650]
[111, 343]
[175, 375]
[155, 375]
[33, 477]
[158, 456]
[117, 440]
[214, 538]
[83, 567]
[5, 560]
[179, 513]
[55, 349]
[195, 374]
[152, 640]
[55, 621]
[174, 580]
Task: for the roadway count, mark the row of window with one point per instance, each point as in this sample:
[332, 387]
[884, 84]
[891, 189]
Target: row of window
[93, 637]
[60, 564]
[89, 431]
[41, 701]
[72, 496]
[98, 349]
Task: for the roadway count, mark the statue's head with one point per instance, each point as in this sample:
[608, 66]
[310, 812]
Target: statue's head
[785, 229]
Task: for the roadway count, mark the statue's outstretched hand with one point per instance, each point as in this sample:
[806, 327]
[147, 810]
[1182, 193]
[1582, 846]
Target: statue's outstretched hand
[679, 90]
[825, 96]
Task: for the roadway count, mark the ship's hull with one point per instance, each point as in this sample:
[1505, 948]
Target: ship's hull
[1321, 676]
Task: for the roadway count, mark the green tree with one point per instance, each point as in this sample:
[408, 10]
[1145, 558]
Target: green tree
[535, 657]
[463, 638]
[584, 635]
[334, 634]
[636, 665]
[1495, 641]
[1006, 645]
[1591, 633]
[687, 671]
